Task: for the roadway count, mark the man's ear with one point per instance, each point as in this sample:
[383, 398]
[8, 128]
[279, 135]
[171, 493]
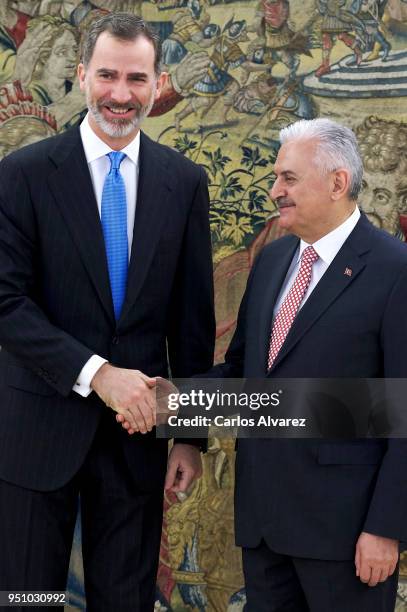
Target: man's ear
[81, 76]
[161, 82]
[340, 183]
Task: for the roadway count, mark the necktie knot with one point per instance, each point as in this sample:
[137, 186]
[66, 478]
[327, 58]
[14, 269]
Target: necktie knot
[116, 158]
[309, 255]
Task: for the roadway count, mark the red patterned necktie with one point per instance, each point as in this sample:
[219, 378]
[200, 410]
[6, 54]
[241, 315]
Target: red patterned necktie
[289, 308]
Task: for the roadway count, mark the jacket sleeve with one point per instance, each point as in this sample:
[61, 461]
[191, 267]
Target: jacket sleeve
[387, 515]
[25, 331]
[191, 328]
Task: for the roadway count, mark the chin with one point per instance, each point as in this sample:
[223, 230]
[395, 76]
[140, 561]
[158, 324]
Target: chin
[284, 221]
[285, 226]
[117, 130]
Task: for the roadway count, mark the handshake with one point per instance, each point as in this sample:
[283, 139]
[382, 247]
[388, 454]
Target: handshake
[139, 401]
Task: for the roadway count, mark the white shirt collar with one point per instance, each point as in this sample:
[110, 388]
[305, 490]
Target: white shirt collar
[328, 246]
[94, 147]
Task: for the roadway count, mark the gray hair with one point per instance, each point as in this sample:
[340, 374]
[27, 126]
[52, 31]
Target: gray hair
[337, 147]
[123, 26]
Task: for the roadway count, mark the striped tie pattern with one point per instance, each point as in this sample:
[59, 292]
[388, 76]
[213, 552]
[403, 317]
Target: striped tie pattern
[114, 224]
[289, 308]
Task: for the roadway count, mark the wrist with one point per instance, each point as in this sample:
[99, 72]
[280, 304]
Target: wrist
[97, 381]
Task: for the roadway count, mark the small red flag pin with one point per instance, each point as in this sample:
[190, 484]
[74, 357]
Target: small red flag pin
[348, 272]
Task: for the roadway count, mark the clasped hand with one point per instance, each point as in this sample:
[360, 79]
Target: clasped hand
[130, 393]
[138, 400]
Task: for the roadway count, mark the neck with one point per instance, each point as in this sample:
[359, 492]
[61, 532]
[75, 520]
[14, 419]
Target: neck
[115, 143]
[330, 224]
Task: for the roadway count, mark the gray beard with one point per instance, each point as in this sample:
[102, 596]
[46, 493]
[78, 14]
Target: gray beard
[123, 127]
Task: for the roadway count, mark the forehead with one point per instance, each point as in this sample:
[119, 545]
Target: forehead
[123, 55]
[296, 156]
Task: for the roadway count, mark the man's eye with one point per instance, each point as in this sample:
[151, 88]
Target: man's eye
[105, 76]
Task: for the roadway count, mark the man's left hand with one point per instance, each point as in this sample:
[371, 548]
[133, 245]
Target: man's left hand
[376, 558]
[184, 466]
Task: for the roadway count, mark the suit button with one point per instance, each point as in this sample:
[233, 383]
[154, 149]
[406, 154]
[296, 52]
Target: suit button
[115, 340]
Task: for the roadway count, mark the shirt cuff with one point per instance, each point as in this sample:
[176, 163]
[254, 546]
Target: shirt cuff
[82, 385]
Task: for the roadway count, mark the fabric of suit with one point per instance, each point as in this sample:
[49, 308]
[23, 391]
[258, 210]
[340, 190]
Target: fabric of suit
[282, 583]
[312, 498]
[56, 308]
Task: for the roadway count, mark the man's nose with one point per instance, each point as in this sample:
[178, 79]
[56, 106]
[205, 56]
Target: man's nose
[121, 92]
[277, 190]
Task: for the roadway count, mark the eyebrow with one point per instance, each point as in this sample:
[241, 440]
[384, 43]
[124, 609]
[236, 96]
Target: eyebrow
[285, 173]
[114, 73]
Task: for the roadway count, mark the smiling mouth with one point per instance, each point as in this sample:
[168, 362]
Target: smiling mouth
[118, 111]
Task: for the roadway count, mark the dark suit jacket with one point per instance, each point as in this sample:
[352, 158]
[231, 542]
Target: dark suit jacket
[312, 498]
[56, 308]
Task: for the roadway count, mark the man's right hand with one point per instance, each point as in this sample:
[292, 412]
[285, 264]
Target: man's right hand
[163, 389]
[130, 393]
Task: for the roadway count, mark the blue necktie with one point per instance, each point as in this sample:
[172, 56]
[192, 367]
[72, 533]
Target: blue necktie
[114, 224]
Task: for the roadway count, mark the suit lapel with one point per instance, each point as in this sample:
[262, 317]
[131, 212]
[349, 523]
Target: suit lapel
[273, 279]
[72, 188]
[342, 272]
[153, 199]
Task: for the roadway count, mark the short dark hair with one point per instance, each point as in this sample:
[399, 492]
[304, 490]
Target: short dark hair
[124, 26]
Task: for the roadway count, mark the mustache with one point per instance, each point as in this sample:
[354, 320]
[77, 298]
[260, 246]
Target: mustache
[283, 201]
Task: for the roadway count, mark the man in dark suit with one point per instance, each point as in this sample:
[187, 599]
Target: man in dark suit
[320, 521]
[105, 269]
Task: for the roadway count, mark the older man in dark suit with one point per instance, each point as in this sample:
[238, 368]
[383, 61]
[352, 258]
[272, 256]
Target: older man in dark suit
[320, 521]
[105, 276]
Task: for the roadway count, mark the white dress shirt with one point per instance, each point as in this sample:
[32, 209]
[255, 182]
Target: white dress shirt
[99, 165]
[327, 248]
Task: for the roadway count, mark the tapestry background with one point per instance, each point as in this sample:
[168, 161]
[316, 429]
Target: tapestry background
[239, 71]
